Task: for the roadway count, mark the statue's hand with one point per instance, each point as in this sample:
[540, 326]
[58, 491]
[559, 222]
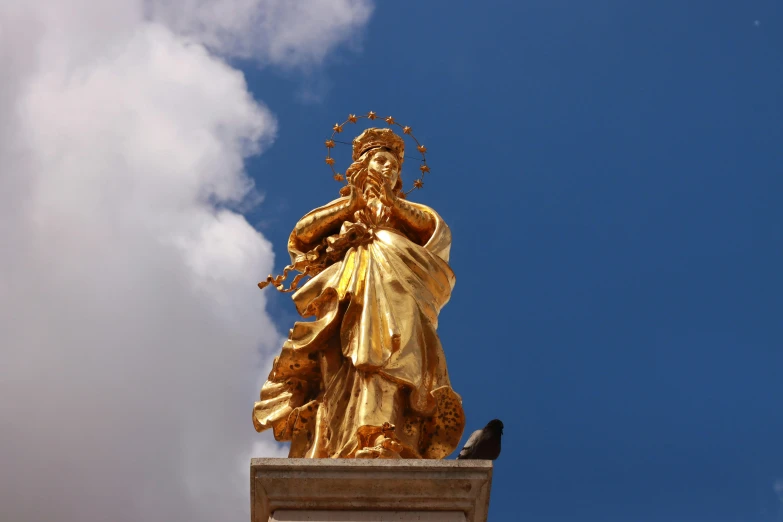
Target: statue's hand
[388, 197]
[356, 199]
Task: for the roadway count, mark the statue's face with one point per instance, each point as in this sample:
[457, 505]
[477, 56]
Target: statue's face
[384, 165]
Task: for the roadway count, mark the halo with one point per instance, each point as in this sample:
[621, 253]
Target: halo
[353, 118]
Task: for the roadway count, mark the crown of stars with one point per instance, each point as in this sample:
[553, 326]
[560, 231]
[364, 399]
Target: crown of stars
[353, 118]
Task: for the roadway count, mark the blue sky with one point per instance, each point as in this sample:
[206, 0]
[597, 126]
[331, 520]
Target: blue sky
[612, 174]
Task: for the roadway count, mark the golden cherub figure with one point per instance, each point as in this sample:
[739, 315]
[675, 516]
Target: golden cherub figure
[367, 378]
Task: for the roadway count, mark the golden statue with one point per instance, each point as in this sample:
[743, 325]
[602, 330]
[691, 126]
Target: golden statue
[367, 378]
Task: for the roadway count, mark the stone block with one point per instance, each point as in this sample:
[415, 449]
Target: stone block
[348, 490]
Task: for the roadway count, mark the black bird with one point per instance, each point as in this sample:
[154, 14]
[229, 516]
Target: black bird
[484, 444]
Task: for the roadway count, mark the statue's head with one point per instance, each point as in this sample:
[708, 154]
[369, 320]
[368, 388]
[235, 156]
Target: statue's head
[379, 152]
[375, 138]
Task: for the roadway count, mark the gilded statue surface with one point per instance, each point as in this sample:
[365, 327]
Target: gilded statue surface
[367, 377]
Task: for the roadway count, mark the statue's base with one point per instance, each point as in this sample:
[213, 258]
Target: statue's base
[348, 490]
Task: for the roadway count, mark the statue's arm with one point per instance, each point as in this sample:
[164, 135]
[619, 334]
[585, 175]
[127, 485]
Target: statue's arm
[415, 218]
[321, 221]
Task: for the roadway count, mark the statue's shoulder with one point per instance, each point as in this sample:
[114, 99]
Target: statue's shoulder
[429, 210]
[421, 206]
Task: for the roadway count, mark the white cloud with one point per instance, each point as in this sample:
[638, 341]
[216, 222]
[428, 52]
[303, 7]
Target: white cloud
[132, 336]
[289, 33]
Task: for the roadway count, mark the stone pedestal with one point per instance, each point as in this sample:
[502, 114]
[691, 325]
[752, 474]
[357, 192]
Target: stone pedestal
[353, 490]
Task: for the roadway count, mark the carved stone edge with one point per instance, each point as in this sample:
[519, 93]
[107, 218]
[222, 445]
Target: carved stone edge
[375, 485]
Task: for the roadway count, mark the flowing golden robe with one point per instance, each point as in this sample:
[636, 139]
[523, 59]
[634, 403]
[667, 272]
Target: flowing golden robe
[372, 354]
